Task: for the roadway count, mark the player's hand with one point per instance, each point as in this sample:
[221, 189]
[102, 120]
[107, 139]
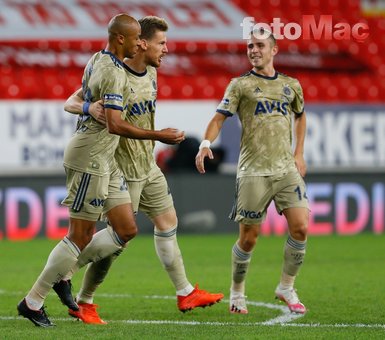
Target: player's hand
[200, 159]
[96, 110]
[171, 136]
[300, 164]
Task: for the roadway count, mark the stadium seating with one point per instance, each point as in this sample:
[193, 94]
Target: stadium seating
[348, 71]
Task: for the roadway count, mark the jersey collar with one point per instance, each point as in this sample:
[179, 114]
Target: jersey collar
[113, 57]
[142, 74]
[275, 76]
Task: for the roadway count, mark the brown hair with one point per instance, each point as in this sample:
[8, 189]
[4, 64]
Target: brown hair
[150, 25]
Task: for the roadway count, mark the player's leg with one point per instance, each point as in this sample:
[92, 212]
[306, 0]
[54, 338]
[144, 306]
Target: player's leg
[240, 261]
[292, 202]
[167, 249]
[121, 228]
[156, 202]
[98, 268]
[64, 256]
[252, 197]
[118, 196]
[61, 259]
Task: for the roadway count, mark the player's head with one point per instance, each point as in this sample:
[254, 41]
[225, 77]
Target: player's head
[124, 32]
[153, 39]
[261, 49]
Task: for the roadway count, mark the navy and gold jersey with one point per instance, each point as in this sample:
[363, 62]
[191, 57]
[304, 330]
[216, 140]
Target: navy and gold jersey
[136, 157]
[92, 148]
[265, 106]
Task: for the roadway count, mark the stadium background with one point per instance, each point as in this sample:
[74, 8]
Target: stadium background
[44, 46]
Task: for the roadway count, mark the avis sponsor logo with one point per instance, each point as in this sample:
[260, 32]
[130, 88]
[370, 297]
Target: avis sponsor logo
[144, 107]
[269, 106]
[97, 202]
[250, 213]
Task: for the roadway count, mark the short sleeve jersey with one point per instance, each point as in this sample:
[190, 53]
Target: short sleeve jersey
[265, 106]
[136, 157]
[92, 148]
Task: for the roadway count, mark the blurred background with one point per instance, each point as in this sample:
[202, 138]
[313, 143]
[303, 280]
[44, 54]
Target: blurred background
[44, 46]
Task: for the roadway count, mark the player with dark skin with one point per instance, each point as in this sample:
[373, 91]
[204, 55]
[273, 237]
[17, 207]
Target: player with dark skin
[93, 174]
[146, 183]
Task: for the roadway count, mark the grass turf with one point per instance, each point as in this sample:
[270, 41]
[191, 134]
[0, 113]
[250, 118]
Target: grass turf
[341, 283]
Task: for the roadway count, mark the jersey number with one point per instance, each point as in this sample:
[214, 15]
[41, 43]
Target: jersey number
[299, 193]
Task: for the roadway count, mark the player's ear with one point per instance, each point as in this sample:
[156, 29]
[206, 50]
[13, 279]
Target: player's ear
[274, 50]
[120, 38]
[143, 44]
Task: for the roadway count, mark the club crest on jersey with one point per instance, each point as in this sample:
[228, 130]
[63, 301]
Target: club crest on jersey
[287, 90]
[257, 90]
[225, 101]
[267, 106]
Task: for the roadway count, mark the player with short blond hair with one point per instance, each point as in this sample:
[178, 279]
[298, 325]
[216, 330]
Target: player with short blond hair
[266, 102]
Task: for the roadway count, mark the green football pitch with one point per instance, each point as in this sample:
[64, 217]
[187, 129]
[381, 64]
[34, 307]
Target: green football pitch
[342, 283]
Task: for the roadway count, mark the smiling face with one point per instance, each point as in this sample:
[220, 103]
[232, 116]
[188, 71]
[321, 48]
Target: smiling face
[261, 52]
[155, 48]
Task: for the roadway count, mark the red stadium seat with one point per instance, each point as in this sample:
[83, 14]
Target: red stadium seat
[350, 71]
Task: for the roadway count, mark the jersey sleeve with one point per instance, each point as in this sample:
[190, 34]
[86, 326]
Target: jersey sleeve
[297, 105]
[229, 104]
[112, 89]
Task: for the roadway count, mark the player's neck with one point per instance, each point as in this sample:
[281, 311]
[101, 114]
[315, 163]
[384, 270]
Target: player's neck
[136, 64]
[114, 51]
[266, 71]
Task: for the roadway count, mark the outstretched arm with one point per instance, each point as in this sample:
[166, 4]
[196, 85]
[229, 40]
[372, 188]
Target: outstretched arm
[116, 125]
[300, 132]
[212, 132]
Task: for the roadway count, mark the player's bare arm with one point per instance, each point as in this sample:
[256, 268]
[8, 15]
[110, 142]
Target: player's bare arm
[299, 132]
[211, 134]
[75, 102]
[116, 125]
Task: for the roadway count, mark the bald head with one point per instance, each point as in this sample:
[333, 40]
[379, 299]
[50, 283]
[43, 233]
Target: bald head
[121, 24]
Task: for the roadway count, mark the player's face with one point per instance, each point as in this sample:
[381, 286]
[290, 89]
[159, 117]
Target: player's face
[156, 49]
[261, 52]
[132, 41]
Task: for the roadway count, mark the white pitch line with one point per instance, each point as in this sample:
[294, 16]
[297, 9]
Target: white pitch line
[286, 316]
[282, 320]
[217, 323]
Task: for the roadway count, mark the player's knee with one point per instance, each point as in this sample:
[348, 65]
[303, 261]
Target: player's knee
[80, 237]
[248, 243]
[81, 240]
[299, 230]
[128, 233]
